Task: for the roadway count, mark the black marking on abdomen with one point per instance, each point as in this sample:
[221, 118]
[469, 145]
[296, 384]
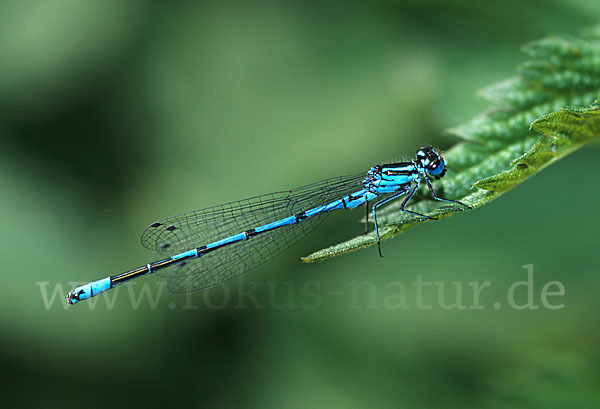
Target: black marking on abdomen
[300, 216]
[250, 233]
[123, 277]
[205, 250]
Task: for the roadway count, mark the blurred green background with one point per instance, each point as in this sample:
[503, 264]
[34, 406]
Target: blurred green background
[114, 114]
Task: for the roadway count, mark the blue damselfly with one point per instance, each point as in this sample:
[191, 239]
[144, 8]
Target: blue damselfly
[215, 244]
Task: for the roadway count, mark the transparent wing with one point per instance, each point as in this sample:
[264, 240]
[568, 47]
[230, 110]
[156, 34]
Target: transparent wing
[200, 227]
[229, 262]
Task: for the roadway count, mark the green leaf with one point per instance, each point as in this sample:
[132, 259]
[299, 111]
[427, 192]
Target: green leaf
[500, 147]
[564, 131]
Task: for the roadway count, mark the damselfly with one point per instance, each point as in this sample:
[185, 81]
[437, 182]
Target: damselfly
[218, 243]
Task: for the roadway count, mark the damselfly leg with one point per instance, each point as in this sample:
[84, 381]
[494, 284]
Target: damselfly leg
[434, 196]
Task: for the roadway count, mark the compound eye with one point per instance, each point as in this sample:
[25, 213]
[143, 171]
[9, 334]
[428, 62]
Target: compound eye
[435, 168]
[433, 165]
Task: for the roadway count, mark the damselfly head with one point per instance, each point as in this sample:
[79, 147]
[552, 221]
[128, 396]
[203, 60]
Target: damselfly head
[433, 163]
